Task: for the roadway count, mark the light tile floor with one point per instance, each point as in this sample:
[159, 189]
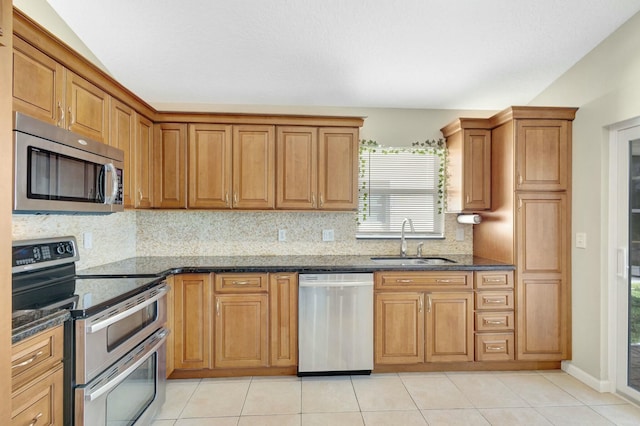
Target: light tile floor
[460, 398]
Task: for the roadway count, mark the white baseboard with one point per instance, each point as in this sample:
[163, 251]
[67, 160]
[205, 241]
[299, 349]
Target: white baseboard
[586, 378]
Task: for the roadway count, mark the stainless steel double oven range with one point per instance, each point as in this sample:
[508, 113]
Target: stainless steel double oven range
[115, 346]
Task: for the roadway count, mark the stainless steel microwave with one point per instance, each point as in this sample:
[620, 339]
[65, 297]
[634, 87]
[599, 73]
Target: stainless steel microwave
[59, 171]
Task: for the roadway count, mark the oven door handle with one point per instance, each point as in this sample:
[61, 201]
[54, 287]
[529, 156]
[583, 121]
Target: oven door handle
[162, 291]
[120, 377]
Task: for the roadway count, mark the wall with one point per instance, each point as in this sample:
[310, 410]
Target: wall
[605, 85]
[209, 233]
[114, 235]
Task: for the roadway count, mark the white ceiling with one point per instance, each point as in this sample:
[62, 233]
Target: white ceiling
[450, 54]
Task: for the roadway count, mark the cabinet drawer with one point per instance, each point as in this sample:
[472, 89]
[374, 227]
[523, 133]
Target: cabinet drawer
[494, 321]
[40, 401]
[491, 300]
[415, 280]
[494, 347]
[493, 280]
[35, 355]
[241, 283]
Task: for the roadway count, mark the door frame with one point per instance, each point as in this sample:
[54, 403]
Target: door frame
[617, 311]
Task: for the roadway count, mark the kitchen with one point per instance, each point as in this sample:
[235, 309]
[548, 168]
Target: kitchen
[600, 106]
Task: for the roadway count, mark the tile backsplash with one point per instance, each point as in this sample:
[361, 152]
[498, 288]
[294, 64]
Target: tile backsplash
[221, 233]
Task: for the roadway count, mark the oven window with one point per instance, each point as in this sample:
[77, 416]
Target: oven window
[127, 401]
[119, 332]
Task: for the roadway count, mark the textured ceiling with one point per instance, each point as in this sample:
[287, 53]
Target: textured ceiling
[462, 54]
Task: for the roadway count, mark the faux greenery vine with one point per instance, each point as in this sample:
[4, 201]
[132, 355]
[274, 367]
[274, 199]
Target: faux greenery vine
[428, 147]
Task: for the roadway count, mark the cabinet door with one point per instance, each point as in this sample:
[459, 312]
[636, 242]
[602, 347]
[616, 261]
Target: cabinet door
[123, 137]
[338, 168]
[192, 321]
[5, 21]
[40, 401]
[242, 331]
[477, 170]
[297, 180]
[399, 328]
[449, 335]
[542, 155]
[253, 167]
[209, 166]
[283, 313]
[87, 108]
[38, 84]
[143, 185]
[542, 288]
[169, 160]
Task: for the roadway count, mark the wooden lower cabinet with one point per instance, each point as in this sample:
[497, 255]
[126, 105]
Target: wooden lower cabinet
[449, 327]
[192, 322]
[232, 321]
[283, 315]
[37, 379]
[40, 401]
[241, 330]
[421, 327]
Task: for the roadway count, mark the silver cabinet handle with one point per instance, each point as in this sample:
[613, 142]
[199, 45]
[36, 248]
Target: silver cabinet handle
[313, 199]
[60, 115]
[241, 282]
[28, 361]
[218, 307]
[493, 301]
[420, 305]
[235, 199]
[495, 348]
[493, 280]
[72, 120]
[404, 281]
[520, 180]
[438, 280]
[428, 303]
[321, 200]
[494, 322]
[35, 419]
[226, 199]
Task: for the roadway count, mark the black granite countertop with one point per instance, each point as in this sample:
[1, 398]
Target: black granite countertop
[27, 323]
[162, 266]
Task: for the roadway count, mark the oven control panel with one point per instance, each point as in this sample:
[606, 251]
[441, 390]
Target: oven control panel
[37, 254]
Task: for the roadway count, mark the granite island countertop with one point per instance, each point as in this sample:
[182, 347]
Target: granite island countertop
[27, 323]
[166, 265]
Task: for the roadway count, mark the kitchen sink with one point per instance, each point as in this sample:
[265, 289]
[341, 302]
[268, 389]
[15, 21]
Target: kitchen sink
[396, 260]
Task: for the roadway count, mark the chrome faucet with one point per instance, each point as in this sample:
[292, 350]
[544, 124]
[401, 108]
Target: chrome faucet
[403, 242]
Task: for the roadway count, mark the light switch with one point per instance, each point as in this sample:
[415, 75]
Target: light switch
[87, 240]
[282, 235]
[327, 235]
[581, 240]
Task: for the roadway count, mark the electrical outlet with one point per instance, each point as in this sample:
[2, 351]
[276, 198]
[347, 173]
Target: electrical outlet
[87, 240]
[459, 233]
[327, 235]
[282, 235]
[581, 240]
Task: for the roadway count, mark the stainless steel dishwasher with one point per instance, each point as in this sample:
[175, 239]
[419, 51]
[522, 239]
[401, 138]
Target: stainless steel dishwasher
[335, 324]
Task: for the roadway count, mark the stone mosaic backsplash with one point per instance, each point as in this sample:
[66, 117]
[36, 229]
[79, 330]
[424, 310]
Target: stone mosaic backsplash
[222, 233]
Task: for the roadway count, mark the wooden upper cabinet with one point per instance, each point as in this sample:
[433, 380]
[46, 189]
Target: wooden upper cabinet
[297, 167]
[338, 168]
[469, 167]
[44, 89]
[143, 160]
[123, 128]
[253, 167]
[210, 160]
[542, 155]
[87, 108]
[169, 165]
[38, 84]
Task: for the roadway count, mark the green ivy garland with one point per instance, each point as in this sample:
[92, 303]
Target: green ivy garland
[428, 147]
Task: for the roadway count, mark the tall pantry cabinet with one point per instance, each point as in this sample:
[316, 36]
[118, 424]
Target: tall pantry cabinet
[529, 224]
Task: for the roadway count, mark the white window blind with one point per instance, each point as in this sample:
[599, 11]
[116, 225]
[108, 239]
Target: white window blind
[397, 183]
